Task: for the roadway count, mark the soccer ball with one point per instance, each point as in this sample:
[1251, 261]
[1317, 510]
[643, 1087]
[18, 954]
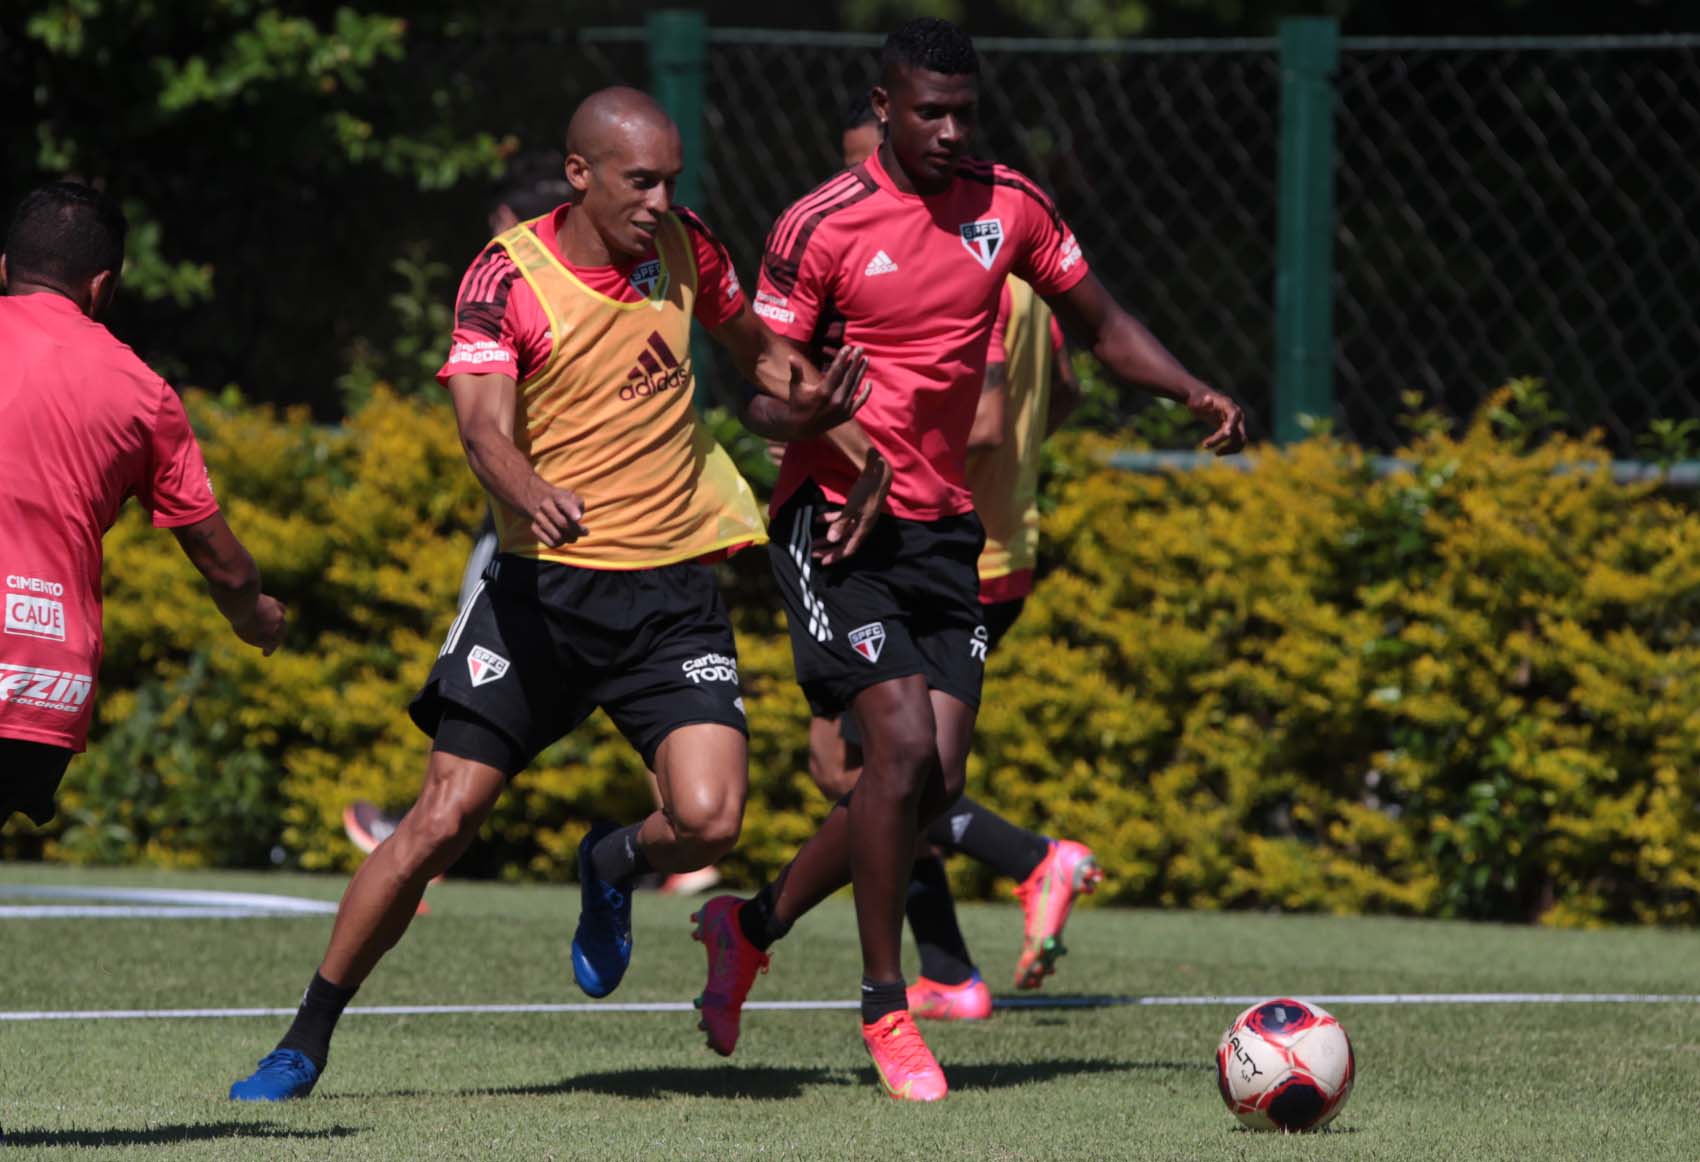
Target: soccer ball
[1285, 1065]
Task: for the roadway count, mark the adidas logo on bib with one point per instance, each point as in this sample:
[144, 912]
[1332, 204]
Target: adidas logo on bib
[882, 264]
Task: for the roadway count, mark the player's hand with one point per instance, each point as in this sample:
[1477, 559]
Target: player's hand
[1223, 415]
[557, 515]
[847, 527]
[819, 405]
[263, 628]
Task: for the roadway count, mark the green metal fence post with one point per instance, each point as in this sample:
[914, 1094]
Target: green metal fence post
[678, 51]
[1304, 247]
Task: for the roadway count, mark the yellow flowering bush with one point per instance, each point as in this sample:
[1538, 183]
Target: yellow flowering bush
[1467, 687]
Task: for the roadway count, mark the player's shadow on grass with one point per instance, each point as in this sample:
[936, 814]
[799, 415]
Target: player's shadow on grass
[730, 1081]
[169, 1135]
[1003, 1074]
[772, 1083]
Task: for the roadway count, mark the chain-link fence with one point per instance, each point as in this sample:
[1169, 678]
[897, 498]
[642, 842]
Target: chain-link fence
[1504, 208]
[1519, 208]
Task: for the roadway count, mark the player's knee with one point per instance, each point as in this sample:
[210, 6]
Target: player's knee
[907, 756]
[708, 818]
[443, 827]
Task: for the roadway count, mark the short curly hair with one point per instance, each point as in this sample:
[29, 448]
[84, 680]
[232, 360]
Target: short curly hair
[928, 43]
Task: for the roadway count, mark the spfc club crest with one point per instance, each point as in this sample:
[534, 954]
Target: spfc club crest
[869, 640]
[983, 239]
[485, 665]
[648, 280]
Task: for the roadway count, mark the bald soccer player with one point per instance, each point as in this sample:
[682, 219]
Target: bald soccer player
[571, 378]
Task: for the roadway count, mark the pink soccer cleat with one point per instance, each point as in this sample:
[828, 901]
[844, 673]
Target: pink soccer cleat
[969, 1001]
[906, 1067]
[733, 963]
[1047, 895]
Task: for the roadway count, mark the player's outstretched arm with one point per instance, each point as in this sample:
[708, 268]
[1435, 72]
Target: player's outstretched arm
[782, 396]
[484, 413]
[1133, 353]
[234, 581]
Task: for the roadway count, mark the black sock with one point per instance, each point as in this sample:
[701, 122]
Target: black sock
[980, 834]
[617, 858]
[756, 919]
[883, 997]
[316, 1019]
[932, 917]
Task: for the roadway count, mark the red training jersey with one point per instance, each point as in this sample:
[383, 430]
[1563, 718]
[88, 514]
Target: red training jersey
[501, 328]
[916, 281]
[87, 425]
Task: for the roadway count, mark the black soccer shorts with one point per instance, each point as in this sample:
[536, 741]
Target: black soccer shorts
[29, 778]
[540, 645]
[999, 615]
[907, 602]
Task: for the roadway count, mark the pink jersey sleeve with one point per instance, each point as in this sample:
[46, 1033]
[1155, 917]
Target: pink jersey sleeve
[1049, 257]
[499, 327]
[995, 352]
[796, 277]
[720, 298]
[177, 490]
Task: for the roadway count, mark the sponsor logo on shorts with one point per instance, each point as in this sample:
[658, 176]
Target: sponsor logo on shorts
[31, 610]
[59, 690]
[983, 239]
[485, 665]
[657, 370]
[978, 643]
[711, 668]
[869, 640]
[739, 703]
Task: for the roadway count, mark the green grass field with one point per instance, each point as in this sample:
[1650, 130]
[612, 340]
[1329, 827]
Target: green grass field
[1446, 1082]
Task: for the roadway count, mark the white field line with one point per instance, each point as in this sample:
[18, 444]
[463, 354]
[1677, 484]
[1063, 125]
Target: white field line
[152, 903]
[1062, 1002]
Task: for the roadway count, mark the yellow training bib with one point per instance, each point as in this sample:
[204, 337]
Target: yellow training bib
[609, 416]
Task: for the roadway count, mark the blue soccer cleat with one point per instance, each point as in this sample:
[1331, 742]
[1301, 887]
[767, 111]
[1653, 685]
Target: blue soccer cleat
[602, 946]
[283, 1075]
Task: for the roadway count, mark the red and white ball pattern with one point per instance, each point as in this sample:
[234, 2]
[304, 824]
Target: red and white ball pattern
[1285, 1065]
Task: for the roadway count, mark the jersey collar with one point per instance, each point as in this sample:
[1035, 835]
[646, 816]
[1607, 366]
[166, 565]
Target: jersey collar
[877, 171]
